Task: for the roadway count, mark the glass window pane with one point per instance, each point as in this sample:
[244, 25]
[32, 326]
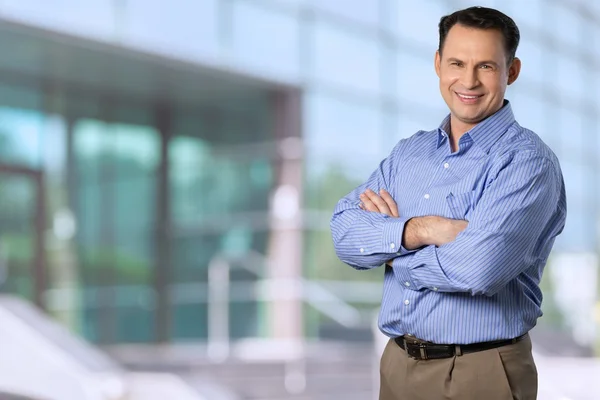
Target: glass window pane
[578, 234]
[359, 10]
[569, 81]
[182, 28]
[532, 60]
[459, 4]
[418, 83]
[389, 72]
[572, 134]
[419, 22]
[18, 195]
[530, 112]
[345, 58]
[115, 208]
[566, 27]
[21, 136]
[88, 18]
[266, 39]
[526, 13]
[340, 129]
[22, 126]
[409, 124]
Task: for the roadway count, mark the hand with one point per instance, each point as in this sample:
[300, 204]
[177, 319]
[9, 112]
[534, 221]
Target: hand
[383, 204]
[431, 230]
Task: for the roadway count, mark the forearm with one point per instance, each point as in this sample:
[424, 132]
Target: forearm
[365, 239]
[478, 262]
[420, 232]
[415, 234]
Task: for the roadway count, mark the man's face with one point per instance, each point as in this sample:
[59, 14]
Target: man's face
[473, 73]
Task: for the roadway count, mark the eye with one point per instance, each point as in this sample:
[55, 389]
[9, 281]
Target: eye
[486, 66]
[456, 63]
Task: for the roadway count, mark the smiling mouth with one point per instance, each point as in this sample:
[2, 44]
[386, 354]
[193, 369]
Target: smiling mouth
[468, 99]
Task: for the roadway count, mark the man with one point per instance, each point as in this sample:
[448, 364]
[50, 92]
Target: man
[464, 217]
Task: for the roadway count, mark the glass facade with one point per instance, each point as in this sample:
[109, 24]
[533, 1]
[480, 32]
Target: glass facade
[151, 194]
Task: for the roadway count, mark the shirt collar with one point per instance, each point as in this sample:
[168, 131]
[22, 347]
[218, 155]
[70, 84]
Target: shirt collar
[485, 133]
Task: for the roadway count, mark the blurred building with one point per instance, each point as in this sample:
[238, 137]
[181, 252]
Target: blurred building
[149, 147]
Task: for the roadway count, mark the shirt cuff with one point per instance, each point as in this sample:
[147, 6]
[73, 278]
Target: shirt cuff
[402, 273]
[414, 271]
[393, 230]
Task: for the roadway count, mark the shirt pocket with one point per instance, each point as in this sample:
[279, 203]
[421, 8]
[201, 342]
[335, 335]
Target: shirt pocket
[460, 204]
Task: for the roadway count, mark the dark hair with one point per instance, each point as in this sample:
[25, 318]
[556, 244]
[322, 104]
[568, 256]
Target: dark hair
[483, 18]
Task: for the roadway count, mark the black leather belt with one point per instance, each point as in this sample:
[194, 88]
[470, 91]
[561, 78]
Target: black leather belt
[429, 351]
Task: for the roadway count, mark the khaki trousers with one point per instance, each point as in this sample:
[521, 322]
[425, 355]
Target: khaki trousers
[504, 373]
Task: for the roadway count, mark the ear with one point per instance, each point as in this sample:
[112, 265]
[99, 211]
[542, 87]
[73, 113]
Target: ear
[438, 62]
[514, 70]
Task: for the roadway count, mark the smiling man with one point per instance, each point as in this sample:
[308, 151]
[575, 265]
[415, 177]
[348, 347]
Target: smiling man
[464, 218]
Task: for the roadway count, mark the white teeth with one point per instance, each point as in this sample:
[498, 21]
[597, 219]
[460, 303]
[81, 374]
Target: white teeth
[467, 97]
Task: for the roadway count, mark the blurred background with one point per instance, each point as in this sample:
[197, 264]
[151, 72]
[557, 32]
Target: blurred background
[168, 171]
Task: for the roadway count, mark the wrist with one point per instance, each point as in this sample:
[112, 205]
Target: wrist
[415, 233]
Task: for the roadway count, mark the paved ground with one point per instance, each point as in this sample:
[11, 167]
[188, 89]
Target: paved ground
[563, 378]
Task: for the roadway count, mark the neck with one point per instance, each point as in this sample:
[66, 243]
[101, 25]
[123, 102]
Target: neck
[457, 130]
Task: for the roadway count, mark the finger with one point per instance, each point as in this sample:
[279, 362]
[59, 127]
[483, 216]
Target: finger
[368, 204]
[390, 202]
[378, 201]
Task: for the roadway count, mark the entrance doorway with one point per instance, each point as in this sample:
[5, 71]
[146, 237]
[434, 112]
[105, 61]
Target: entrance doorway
[22, 227]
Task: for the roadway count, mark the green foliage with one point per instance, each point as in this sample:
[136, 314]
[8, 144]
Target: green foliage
[109, 265]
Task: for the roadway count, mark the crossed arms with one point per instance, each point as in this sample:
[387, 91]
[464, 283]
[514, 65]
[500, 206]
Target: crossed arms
[518, 215]
[419, 231]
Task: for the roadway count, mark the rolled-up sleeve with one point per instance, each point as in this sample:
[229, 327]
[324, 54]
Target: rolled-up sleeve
[510, 229]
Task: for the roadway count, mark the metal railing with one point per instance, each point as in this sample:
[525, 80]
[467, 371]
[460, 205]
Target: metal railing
[312, 293]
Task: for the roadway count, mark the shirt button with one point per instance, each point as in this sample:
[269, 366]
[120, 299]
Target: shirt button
[362, 250]
[407, 284]
[426, 196]
[446, 165]
[392, 245]
[435, 289]
[407, 302]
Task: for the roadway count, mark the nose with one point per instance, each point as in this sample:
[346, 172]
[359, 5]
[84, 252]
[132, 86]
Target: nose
[470, 79]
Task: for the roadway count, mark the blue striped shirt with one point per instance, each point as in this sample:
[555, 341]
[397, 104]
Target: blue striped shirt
[484, 285]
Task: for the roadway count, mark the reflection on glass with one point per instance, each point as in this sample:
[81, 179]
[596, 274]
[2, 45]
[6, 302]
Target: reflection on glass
[116, 194]
[21, 136]
[266, 39]
[221, 177]
[344, 58]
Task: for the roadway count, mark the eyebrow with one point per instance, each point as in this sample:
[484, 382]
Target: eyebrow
[452, 59]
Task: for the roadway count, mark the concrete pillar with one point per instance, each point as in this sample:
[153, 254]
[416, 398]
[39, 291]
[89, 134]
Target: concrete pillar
[285, 315]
